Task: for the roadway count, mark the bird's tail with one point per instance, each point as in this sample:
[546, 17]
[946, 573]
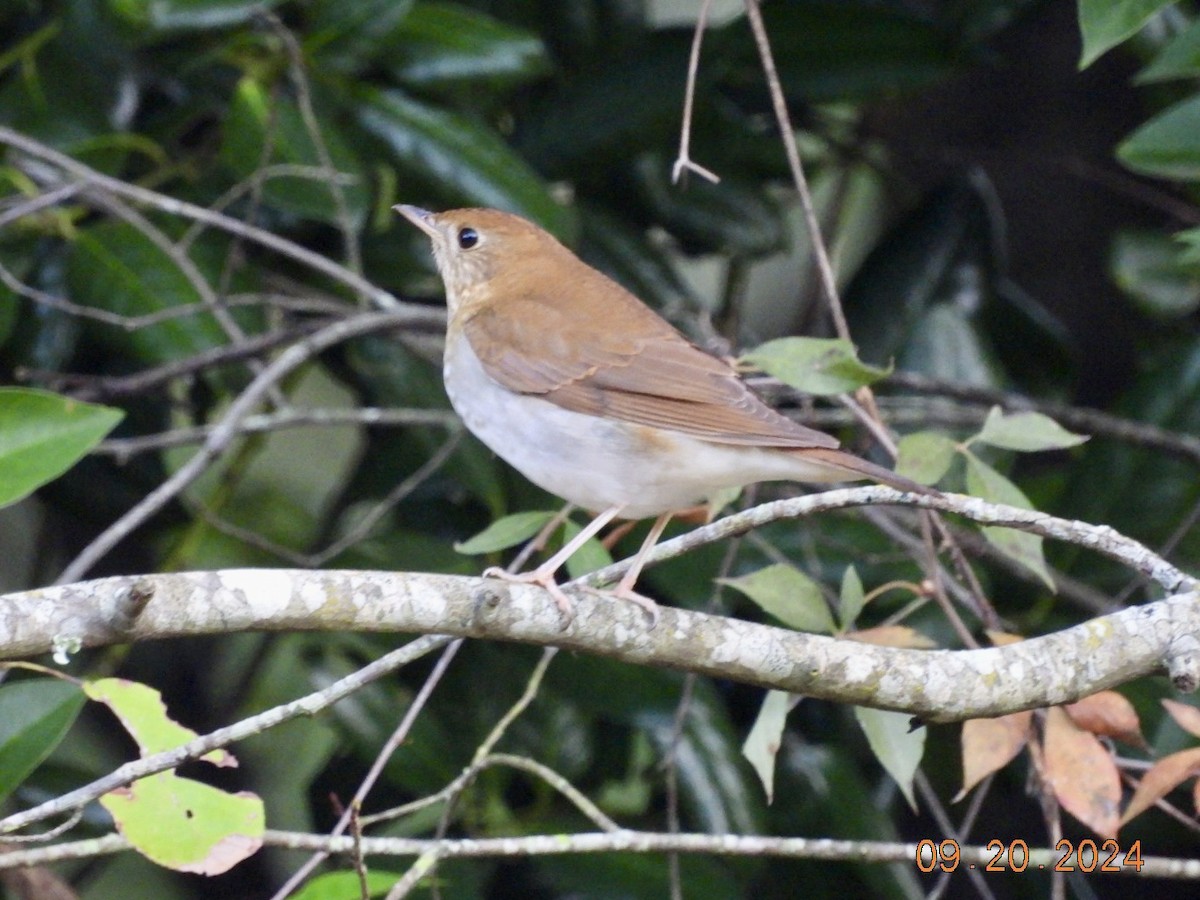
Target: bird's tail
[856, 467]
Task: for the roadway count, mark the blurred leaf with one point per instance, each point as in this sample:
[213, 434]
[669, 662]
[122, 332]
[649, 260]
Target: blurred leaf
[159, 17]
[896, 743]
[851, 598]
[892, 636]
[1025, 431]
[42, 435]
[1180, 58]
[943, 253]
[925, 456]
[573, 132]
[733, 217]
[1190, 238]
[986, 483]
[1139, 491]
[462, 159]
[115, 267]
[948, 344]
[35, 715]
[814, 365]
[69, 88]
[850, 49]
[1108, 714]
[1163, 777]
[346, 885]
[787, 594]
[1149, 267]
[187, 825]
[766, 735]
[1106, 23]
[349, 37]
[441, 45]
[1185, 715]
[988, 745]
[259, 118]
[714, 778]
[1082, 773]
[612, 245]
[506, 532]
[1168, 146]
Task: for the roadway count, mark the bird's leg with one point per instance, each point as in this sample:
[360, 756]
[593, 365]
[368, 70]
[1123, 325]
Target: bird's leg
[624, 589]
[544, 574]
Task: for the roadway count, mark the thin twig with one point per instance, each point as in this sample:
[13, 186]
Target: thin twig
[684, 162]
[223, 434]
[397, 737]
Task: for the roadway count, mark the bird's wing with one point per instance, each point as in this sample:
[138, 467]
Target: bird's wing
[641, 371]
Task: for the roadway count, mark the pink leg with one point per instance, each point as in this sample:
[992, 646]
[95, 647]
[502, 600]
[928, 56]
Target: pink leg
[624, 589]
[544, 574]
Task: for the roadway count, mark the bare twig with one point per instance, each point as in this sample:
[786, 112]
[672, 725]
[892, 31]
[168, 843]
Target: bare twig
[683, 161]
[224, 433]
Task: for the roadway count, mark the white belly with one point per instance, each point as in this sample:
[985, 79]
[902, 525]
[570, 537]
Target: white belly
[599, 463]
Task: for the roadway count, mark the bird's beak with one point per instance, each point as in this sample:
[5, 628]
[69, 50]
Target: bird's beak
[422, 218]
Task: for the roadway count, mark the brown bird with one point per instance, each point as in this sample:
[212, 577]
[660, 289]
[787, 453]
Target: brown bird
[594, 397]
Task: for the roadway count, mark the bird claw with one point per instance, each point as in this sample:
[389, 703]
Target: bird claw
[628, 594]
[563, 602]
[540, 578]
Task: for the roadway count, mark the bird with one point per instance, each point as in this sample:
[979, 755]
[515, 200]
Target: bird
[594, 397]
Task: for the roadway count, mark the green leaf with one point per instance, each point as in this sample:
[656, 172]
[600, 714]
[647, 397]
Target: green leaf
[787, 594]
[851, 597]
[346, 885]
[1190, 238]
[986, 483]
[851, 50]
[144, 715]
[186, 825]
[461, 158]
[1025, 431]
[766, 735]
[814, 365]
[34, 716]
[1106, 23]
[896, 744]
[588, 558]
[350, 37]
[42, 435]
[177, 15]
[258, 118]
[115, 267]
[1180, 58]
[506, 532]
[1150, 268]
[925, 456]
[1168, 146]
[729, 217]
[440, 45]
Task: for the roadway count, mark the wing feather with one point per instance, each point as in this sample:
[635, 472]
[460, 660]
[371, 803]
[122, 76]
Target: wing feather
[644, 372]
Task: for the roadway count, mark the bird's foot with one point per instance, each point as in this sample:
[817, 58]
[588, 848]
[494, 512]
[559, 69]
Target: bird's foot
[621, 592]
[542, 579]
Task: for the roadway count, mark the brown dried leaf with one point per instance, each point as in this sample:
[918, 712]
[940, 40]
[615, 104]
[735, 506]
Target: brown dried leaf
[1002, 638]
[1081, 773]
[990, 744]
[1109, 714]
[893, 636]
[1162, 778]
[1185, 715]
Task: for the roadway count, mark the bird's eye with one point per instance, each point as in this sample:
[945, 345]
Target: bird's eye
[467, 238]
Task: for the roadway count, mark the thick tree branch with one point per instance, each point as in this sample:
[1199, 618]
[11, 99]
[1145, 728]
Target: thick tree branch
[942, 685]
